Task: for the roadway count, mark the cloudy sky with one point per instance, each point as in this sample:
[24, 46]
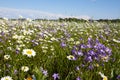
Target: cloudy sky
[96, 9]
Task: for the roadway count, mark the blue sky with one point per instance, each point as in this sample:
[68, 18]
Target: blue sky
[80, 8]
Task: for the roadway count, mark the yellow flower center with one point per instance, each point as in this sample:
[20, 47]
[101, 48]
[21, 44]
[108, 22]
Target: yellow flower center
[6, 79]
[105, 58]
[97, 65]
[105, 78]
[29, 78]
[29, 52]
[71, 57]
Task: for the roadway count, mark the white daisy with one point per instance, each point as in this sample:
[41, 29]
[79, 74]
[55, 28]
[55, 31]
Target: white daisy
[117, 41]
[29, 52]
[103, 76]
[6, 78]
[71, 57]
[25, 68]
[6, 57]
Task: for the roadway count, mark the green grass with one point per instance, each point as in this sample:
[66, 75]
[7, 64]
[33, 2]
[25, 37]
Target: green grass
[45, 38]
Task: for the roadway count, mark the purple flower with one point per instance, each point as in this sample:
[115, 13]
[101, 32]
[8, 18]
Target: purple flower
[62, 25]
[90, 43]
[80, 53]
[45, 72]
[17, 51]
[78, 78]
[63, 44]
[81, 39]
[89, 39]
[96, 51]
[90, 67]
[77, 68]
[74, 51]
[99, 46]
[89, 59]
[118, 77]
[82, 65]
[15, 71]
[97, 41]
[8, 65]
[91, 52]
[83, 46]
[0, 40]
[56, 76]
[2, 33]
[96, 58]
[109, 51]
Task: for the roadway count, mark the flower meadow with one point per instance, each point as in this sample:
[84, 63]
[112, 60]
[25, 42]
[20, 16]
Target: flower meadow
[53, 50]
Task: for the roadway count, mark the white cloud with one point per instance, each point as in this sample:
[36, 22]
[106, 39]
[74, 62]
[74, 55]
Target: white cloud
[28, 13]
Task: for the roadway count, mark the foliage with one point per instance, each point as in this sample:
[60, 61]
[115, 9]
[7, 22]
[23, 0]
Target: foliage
[59, 50]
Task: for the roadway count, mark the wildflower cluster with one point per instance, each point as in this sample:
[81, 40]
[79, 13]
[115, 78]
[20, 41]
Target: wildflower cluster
[54, 50]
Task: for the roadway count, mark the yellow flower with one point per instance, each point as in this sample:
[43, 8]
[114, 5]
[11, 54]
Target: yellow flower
[29, 78]
[96, 65]
[105, 58]
[103, 76]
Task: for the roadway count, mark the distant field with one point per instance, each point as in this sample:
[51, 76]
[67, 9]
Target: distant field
[53, 50]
